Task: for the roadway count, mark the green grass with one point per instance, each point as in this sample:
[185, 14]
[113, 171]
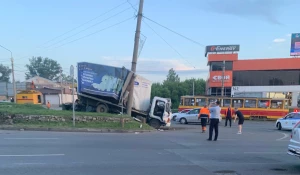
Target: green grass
[29, 109]
[132, 125]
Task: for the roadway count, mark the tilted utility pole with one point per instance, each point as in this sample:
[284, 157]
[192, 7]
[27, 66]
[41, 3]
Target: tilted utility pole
[12, 73]
[135, 55]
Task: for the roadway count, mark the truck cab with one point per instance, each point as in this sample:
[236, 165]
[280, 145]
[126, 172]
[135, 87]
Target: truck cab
[160, 112]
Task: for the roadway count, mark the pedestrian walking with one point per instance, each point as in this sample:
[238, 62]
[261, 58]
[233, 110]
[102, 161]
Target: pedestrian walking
[203, 116]
[215, 114]
[228, 115]
[239, 114]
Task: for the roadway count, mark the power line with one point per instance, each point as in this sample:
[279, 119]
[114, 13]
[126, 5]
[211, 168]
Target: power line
[174, 32]
[85, 23]
[168, 44]
[96, 32]
[88, 27]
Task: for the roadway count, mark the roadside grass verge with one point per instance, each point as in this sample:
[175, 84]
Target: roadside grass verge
[30, 109]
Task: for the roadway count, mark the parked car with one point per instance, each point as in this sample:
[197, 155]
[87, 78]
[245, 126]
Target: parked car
[174, 115]
[294, 146]
[289, 121]
[189, 117]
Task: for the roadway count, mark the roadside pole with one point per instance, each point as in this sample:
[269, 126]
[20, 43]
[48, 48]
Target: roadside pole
[72, 75]
[135, 55]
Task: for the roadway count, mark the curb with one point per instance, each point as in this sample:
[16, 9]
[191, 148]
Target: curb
[73, 130]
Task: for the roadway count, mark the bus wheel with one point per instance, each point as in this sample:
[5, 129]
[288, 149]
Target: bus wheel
[154, 123]
[102, 108]
[279, 126]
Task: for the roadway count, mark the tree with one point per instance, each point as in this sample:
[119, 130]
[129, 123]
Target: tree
[173, 88]
[5, 72]
[68, 78]
[43, 67]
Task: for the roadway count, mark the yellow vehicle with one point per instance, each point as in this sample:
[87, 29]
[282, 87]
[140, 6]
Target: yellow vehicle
[29, 97]
[261, 108]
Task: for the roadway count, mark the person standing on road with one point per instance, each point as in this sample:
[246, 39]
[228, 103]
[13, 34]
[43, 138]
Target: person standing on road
[204, 116]
[215, 114]
[228, 114]
[238, 114]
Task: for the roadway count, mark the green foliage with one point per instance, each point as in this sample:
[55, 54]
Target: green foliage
[43, 67]
[5, 72]
[173, 88]
[68, 78]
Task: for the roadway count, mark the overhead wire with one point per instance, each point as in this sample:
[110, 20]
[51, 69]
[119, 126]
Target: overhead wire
[119, 5]
[116, 24]
[202, 45]
[89, 27]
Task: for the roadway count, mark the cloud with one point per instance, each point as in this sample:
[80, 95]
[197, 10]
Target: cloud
[289, 35]
[267, 10]
[279, 40]
[157, 69]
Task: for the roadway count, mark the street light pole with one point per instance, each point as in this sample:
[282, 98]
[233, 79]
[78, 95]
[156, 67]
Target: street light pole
[13, 73]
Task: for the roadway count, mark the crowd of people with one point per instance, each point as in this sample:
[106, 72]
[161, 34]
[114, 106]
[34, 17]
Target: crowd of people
[213, 114]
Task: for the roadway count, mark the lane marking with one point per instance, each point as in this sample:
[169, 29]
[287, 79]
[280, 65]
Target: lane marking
[264, 152]
[285, 136]
[226, 139]
[32, 155]
[31, 138]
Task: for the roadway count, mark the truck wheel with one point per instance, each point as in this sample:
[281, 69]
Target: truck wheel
[154, 123]
[102, 108]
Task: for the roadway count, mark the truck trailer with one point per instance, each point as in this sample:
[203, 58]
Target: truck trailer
[105, 89]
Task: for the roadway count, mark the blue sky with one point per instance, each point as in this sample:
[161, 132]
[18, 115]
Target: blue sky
[261, 27]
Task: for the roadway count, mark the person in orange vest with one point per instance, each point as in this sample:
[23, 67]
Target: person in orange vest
[228, 115]
[204, 116]
[48, 105]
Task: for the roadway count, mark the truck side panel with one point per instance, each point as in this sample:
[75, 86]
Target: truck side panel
[101, 80]
[141, 93]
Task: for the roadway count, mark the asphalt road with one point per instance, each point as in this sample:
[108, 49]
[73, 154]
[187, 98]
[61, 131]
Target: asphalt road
[260, 150]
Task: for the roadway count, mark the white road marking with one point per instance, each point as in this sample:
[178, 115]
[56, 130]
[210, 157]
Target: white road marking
[264, 152]
[285, 136]
[226, 139]
[31, 155]
[31, 138]
[30, 163]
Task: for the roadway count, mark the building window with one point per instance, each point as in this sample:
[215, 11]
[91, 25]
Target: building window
[266, 78]
[217, 91]
[218, 66]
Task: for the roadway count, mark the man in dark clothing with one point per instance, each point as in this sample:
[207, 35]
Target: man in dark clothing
[228, 114]
[238, 114]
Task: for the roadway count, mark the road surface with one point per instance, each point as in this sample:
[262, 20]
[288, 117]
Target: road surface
[259, 150]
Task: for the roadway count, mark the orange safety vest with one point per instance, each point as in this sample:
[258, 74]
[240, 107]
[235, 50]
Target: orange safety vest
[226, 111]
[204, 111]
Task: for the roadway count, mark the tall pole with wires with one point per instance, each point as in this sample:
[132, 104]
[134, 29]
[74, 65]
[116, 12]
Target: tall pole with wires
[135, 55]
[12, 73]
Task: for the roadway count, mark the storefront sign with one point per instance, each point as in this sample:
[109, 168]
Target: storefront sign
[216, 79]
[222, 48]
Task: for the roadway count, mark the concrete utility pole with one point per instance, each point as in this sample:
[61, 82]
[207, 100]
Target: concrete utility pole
[12, 73]
[135, 55]
[61, 86]
[223, 75]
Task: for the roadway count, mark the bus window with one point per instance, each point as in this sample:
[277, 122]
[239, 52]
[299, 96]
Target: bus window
[181, 101]
[238, 103]
[189, 101]
[226, 103]
[212, 100]
[263, 103]
[286, 104]
[250, 103]
[277, 104]
[201, 101]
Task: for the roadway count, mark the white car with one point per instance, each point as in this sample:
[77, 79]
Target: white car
[189, 117]
[174, 115]
[294, 146]
[289, 121]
